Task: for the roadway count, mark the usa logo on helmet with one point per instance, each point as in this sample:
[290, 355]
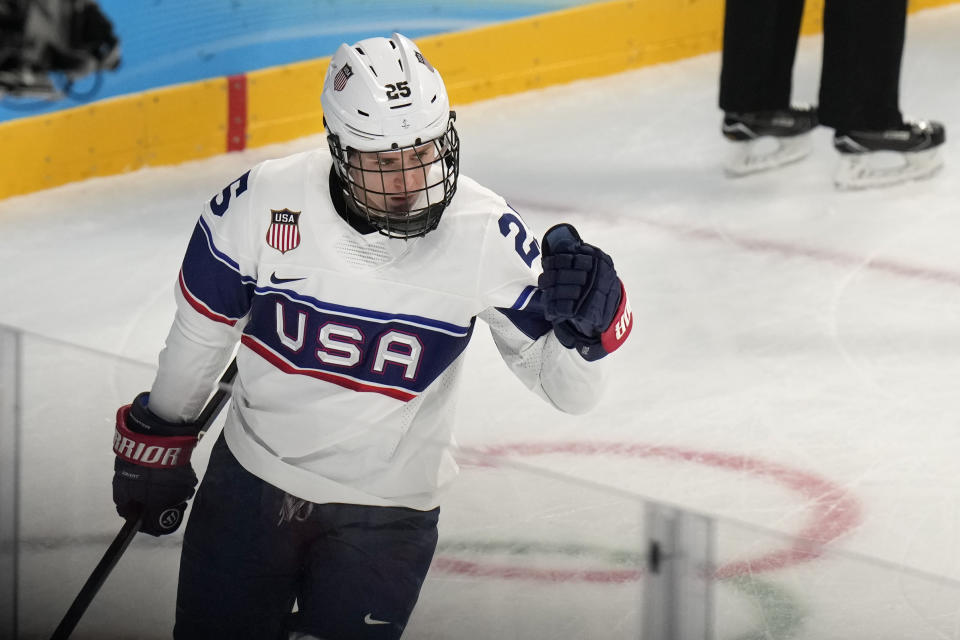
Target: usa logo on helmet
[284, 231]
[423, 61]
[340, 80]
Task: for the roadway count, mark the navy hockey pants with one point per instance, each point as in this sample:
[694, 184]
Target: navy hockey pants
[250, 550]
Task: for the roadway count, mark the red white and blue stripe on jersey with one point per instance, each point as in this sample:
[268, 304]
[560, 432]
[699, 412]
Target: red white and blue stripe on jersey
[397, 355]
[211, 281]
[526, 313]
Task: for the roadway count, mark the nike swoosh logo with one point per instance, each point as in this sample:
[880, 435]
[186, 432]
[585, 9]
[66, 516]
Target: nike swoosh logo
[275, 280]
[368, 619]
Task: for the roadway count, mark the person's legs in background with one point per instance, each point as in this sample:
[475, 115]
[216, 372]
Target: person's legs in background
[862, 51]
[859, 96]
[759, 48]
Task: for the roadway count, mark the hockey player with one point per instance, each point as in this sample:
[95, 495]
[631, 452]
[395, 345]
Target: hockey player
[352, 278]
[859, 92]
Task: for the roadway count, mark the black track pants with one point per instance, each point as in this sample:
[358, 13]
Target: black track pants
[862, 51]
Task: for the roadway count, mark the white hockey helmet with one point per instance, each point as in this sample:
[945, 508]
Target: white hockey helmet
[391, 135]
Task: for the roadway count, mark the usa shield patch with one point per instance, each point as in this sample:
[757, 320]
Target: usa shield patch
[284, 232]
[340, 80]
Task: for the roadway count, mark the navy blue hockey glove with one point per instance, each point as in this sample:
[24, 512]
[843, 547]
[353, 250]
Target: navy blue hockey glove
[152, 467]
[582, 296]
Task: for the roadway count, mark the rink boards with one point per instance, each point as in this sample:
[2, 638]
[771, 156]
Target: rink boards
[200, 119]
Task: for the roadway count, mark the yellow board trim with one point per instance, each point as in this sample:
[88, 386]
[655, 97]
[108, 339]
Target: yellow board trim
[188, 122]
[117, 135]
[283, 103]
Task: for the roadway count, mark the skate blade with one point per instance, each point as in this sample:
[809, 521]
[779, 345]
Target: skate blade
[765, 153]
[886, 168]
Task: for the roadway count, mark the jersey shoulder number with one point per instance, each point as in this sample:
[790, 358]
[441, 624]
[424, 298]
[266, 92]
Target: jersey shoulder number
[219, 203]
[511, 224]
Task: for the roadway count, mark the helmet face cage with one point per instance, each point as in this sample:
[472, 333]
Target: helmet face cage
[402, 191]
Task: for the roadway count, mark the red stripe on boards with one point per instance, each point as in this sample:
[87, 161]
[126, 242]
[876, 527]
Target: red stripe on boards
[236, 112]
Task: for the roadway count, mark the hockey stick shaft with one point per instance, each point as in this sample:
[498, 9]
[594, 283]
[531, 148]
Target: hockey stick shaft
[133, 522]
[99, 576]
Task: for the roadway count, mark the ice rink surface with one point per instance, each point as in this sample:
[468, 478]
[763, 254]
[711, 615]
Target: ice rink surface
[795, 366]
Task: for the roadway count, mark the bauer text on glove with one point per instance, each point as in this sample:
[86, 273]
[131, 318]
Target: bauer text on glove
[582, 296]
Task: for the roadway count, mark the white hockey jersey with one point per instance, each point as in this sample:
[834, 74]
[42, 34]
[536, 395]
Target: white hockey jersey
[350, 343]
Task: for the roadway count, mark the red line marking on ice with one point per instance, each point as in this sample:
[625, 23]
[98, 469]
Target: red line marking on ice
[834, 511]
[783, 249]
[789, 250]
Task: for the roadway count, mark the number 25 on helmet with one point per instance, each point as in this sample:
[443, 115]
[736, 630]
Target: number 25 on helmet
[391, 134]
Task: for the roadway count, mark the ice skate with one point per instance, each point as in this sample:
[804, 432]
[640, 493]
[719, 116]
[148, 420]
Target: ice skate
[764, 140]
[882, 158]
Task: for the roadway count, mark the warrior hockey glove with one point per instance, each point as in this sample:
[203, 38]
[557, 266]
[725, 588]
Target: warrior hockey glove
[582, 296]
[152, 467]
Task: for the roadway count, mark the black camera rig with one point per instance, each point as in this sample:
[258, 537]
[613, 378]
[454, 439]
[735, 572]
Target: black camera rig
[46, 45]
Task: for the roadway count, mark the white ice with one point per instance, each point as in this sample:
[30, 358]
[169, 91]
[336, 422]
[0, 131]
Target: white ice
[795, 367]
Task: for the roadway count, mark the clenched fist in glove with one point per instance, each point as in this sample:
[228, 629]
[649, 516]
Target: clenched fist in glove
[152, 467]
[582, 296]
